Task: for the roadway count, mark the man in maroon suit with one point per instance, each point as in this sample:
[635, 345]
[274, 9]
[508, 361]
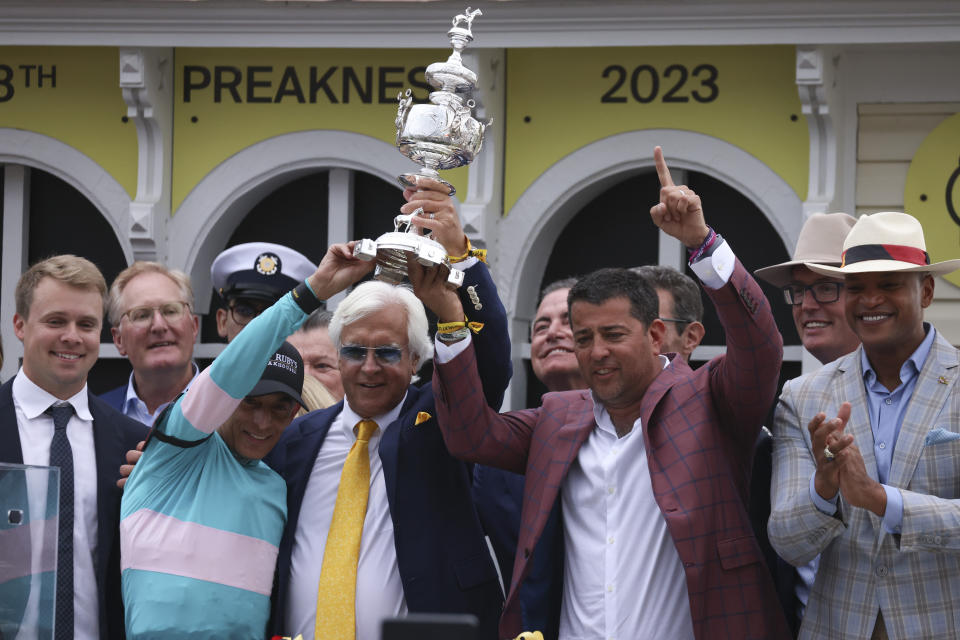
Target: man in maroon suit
[651, 464]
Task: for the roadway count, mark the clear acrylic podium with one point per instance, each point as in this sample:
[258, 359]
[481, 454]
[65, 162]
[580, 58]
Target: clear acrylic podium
[29, 501]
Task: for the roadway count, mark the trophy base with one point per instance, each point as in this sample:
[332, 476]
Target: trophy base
[392, 249]
[409, 180]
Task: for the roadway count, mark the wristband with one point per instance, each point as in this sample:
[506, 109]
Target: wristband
[697, 253]
[305, 298]
[479, 254]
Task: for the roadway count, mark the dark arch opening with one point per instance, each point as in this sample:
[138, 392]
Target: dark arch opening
[615, 230]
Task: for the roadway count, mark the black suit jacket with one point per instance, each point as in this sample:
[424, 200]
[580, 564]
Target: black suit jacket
[113, 435]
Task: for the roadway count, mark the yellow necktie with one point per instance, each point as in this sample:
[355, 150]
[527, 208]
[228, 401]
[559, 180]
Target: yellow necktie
[337, 592]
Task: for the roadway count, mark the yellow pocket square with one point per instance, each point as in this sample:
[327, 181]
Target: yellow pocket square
[422, 417]
[530, 635]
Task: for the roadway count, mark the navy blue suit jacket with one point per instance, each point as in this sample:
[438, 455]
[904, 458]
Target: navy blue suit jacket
[113, 435]
[115, 397]
[444, 561]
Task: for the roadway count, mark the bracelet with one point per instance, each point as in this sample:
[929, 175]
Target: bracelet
[455, 327]
[695, 254]
[305, 298]
[479, 254]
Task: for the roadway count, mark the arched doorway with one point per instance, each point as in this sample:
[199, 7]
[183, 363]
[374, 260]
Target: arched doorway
[298, 214]
[528, 234]
[612, 231]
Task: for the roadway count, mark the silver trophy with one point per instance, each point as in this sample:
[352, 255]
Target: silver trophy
[442, 134]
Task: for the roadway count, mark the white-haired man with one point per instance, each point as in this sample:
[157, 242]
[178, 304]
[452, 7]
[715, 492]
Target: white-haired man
[874, 490]
[381, 522]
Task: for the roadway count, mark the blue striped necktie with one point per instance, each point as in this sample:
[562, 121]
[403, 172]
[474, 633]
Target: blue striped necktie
[61, 455]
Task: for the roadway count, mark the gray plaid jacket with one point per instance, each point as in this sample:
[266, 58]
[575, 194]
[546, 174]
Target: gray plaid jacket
[914, 576]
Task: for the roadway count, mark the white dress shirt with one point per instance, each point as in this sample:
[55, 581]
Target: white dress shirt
[36, 431]
[379, 588]
[623, 578]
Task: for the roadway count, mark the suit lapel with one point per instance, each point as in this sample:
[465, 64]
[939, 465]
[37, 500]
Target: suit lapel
[575, 426]
[10, 450]
[108, 450]
[657, 389]
[389, 448]
[929, 397]
[301, 452]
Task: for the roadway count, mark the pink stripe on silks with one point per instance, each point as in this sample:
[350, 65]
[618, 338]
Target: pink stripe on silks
[206, 406]
[17, 549]
[152, 541]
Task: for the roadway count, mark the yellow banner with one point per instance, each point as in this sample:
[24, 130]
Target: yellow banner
[932, 192]
[71, 94]
[559, 100]
[229, 99]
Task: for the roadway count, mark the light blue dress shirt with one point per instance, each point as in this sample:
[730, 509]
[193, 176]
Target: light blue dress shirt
[887, 409]
[134, 407]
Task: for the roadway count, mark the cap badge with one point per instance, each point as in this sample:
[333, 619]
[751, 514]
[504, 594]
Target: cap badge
[267, 264]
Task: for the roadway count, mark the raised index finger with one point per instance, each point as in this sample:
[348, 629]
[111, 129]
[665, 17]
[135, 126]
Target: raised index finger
[662, 171]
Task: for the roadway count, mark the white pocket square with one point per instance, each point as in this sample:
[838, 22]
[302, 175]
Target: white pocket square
[938, 435]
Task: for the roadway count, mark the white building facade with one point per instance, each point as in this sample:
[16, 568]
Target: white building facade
[169, 130]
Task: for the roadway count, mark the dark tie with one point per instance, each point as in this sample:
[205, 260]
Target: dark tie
[61, 455]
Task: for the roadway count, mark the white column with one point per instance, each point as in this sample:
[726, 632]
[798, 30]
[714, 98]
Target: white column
[815, 76]
[482, 205]
[16, 228]
[339, 216]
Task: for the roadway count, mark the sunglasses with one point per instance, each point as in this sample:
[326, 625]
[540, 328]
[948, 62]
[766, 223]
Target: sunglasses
[243, 312]
[384, 355]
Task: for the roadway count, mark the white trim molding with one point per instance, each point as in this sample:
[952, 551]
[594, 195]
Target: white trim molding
[527, 234]
[146, 81]
[215, 206]
[815, 74]
[260, 23]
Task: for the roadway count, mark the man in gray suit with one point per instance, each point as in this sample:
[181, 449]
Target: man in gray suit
[874, 489]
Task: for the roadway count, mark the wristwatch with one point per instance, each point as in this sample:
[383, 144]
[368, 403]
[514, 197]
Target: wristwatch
[454, 336]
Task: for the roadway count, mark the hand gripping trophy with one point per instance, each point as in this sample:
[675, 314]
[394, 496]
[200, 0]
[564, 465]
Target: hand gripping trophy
[440, 135]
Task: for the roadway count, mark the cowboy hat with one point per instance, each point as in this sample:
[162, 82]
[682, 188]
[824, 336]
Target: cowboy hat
[820, 241]
[886, 241]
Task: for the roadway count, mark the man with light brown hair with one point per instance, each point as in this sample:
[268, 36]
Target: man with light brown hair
[149, 308]
[48, 417]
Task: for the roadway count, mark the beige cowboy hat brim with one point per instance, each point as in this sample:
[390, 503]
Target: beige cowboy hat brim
[780, 275]
[874, 266]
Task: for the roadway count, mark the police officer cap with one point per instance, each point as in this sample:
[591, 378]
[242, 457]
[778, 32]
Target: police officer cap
[259, 270]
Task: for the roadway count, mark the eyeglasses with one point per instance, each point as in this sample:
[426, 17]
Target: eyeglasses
[822, 292]
[142, 317]
[681, 323]
[384, 355]
[243, 312]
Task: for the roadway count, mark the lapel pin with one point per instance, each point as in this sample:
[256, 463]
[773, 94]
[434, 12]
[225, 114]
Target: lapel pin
[942, 379]
[422, 417]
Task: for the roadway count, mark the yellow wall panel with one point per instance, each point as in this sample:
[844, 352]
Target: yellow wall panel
[559, 100]
[229, 99]
[71, 94]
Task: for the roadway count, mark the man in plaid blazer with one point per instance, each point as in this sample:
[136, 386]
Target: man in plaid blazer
[651, 464]
[874, 490]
